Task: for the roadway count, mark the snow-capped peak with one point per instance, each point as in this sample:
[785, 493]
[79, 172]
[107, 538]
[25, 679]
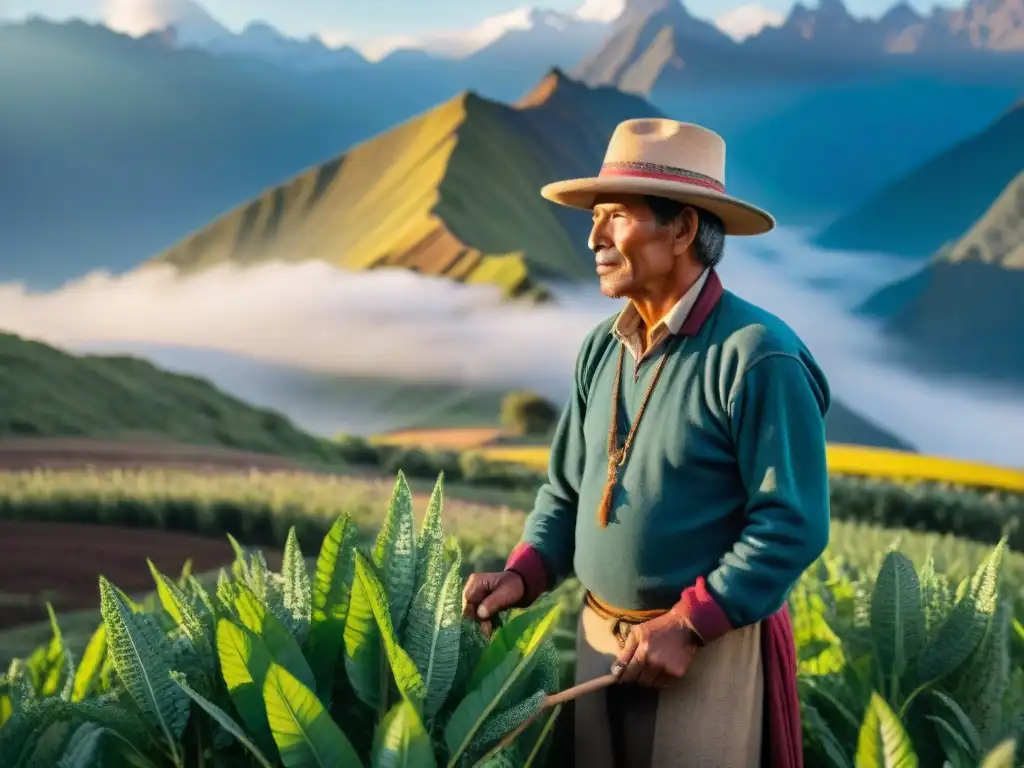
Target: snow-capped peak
[192, 24]
[458, 43]
[747, 20]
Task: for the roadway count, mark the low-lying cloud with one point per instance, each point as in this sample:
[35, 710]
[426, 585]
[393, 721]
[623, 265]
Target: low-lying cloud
[403, 325]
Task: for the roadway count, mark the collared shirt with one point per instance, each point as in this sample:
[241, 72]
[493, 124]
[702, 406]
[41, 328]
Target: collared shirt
[630, 330]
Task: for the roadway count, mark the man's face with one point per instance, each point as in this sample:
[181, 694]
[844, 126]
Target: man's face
[634, 256]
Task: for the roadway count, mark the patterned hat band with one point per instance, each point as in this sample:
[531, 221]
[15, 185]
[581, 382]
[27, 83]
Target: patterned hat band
[661, 172]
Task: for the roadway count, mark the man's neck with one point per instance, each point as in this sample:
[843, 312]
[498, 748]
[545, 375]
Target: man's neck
[652, 306]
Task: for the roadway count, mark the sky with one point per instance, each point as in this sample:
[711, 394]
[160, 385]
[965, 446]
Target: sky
[359, 20]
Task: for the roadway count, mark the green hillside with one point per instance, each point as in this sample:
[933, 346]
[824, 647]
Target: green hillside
[940, 200]
[45, 392]
[962, 314]
[454, 191]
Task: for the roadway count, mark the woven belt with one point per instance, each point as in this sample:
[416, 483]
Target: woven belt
[623, 620]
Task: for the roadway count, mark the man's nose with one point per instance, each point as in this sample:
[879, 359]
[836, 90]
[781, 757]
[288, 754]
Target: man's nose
[597, 239]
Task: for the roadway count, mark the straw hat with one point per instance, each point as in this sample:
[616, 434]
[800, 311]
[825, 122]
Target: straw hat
[680, 161]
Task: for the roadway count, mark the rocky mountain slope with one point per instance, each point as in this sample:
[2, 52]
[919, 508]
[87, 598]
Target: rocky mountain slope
[454, 191]
[665, 45]
[938, 201]
[962, 314]
[112, 147]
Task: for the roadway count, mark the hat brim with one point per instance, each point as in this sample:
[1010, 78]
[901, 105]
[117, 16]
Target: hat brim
[738, 217]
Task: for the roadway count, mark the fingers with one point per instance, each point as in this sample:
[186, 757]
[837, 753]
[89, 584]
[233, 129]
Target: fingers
[625, 656]
[476, 589]
[486, 594]
[632, 658]
[507, 590]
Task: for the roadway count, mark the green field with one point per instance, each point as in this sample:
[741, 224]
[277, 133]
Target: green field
[860, 630]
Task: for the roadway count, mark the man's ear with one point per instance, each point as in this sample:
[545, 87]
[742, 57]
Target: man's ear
[685, 230]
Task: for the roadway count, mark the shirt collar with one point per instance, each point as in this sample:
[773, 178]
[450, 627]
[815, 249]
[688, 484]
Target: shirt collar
[629, 323]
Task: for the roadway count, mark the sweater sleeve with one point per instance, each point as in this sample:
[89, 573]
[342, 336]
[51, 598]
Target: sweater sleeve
[776, 420]
[544, 555]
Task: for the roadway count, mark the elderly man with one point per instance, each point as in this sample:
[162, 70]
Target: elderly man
[687, 486]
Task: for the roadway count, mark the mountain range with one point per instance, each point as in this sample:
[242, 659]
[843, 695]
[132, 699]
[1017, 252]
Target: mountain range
[666, 46]
[129, 144]
[961, 314]
[415, 196]
[632, 44]
[938, 201]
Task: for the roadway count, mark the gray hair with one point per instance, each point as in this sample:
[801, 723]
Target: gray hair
[709, 244]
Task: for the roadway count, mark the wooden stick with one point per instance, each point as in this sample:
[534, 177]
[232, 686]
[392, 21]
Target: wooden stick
[557, 699]
[579, 690]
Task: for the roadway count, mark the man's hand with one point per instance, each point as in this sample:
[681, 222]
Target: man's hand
[657, 653]
[487, 593]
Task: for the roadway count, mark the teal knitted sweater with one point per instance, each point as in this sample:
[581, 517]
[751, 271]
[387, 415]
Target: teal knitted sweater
[726, 480]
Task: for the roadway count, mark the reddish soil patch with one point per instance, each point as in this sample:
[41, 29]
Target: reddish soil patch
[62, 562]
[77, 453]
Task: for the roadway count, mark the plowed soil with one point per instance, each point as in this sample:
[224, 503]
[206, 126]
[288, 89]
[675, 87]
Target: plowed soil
[75, 453]
[62, 562]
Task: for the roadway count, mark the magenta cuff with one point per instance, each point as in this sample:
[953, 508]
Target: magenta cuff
[527, 562]
[703, 613]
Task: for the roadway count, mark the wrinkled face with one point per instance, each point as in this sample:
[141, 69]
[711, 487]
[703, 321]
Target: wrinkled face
[635, 256]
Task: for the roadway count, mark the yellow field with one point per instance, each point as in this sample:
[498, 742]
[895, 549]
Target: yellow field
[842, 459]
[847, 460]
[454, 439]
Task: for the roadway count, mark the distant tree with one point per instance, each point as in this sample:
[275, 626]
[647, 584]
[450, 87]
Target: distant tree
[527, 413]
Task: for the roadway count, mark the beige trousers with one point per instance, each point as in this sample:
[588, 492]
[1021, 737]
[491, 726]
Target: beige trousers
[712, 718]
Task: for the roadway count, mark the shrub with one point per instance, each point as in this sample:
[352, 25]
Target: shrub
[368, 661]
[359, 450]
[421, 463]
[479, 470]
[526, 413]
[908, 666]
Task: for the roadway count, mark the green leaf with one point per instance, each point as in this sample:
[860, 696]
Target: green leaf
[87, 676]
[434, 630]
[823, 734]
[222, 718]
[402, 741]
[397, 664]
[549, 725]
[365, 662]
[244, 662]
[140, 653]
[517, 634]
[303, 730]
[965, 727]
[959, 635]
[394, 553]
[49, 744]
[430, 542]
[81, 749]
[198, 591]
[897, 621]
[498, 686]
[883, 743]
[501, 723]
[239, 567]
[332, 590]
[283, 648]
[177, 605]
[128, 725]
[298, 600]
[62, 650]
[1002, 756]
